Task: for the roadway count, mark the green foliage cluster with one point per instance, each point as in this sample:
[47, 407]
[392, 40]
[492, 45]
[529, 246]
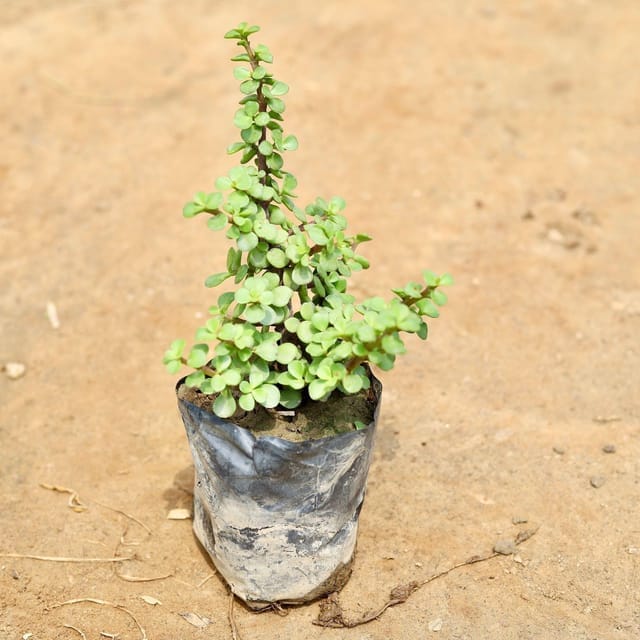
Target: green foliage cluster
[289, 330]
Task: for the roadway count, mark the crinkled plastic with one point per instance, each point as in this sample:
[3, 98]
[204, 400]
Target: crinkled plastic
[278, 518]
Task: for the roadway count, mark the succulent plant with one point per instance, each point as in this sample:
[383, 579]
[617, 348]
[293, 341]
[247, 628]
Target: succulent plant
[290, 331]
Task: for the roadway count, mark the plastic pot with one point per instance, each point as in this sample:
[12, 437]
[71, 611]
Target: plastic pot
[278, 518]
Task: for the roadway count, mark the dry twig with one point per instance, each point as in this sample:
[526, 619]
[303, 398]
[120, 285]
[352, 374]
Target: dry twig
[29, 556]
[235, 634]
[103, 603]
[70, 626]
[332, 615]
[74, 501]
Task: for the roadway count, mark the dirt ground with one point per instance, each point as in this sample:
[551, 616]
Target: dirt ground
[496, 140]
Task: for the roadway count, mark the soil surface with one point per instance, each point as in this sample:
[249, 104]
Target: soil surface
[310, 421]
[499, 141]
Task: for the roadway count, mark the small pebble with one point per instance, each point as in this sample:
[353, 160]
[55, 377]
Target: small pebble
[597, 481]
[14, 370]
[559, 450]
[519, 520]
[52, 314]
[505, 547]
[609, 448]
[435, 625]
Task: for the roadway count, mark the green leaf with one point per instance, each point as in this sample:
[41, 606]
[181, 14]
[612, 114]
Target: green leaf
[290, 143]
[290, 398]
[291, 324]
[232, 377]
[276, 105]
[427, 308]
[173, 366]
[439, 297]
[275, 162]
[247, 241]
[247, 402]
[281, 296]
[242, 120]
[234, 257]
[217, 222]
[320, 320]
[224, 405]
[241, 273]
[262, 119]
[305, 332]
[254, 313]
[268, 395]
[289, 183]
[307, 310]
[216, 279]
[393, 344]
[265, 148]
[241, 57]
[232, 34]
[175, 349]
[298, 369]
[279, 88]
[287, 352]
[198, 355]
[267, 351]
[320, 388]
[301, 275]
[445, 280]
[235, 147]
[277, 258]
[238, 200]
[263, 53]
[248, 154]
[241, 73]
[251, 135]
[223, 183]
[352, 383]
[430, 278]
[194, 379]
[249, 86]
[259, 73]
[317, 234]
[365, 333]
[192, 209]
[258, 374]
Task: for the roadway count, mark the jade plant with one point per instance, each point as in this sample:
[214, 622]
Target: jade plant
[288, 331]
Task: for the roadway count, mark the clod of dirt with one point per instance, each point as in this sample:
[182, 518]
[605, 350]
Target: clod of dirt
[609, 448]
[597, 481]
[505, 547]
[14, 370]
[519, 520]
[559, 450]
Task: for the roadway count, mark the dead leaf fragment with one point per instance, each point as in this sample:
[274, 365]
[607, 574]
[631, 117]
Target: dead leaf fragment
[179, 514]
[151, 600]
[197, 621]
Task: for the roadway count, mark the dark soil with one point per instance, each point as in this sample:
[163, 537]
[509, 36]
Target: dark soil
[310, 421]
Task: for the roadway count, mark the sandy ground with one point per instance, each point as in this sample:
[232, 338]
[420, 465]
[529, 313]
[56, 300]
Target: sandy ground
[499, 141]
